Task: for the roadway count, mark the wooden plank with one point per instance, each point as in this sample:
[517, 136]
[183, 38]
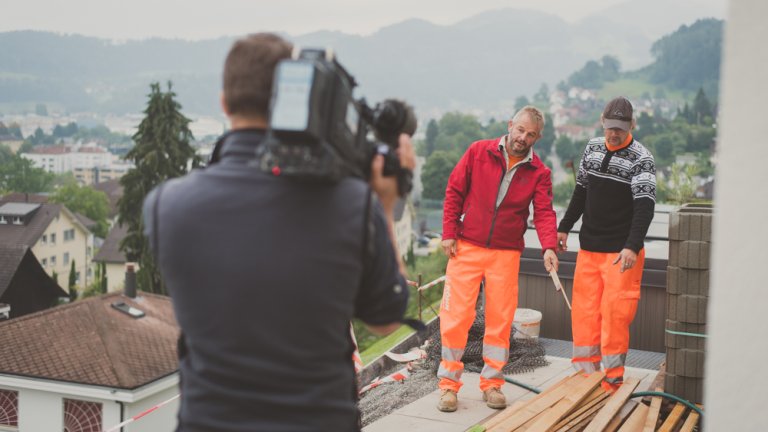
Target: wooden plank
[581, 421]
[533, 409]
[510, 411]
[567, 404]
[636, 421]
[579, 427]
[621, 415]
[617, 399]
[530, 422]
[673, 419]
[658, 381]
[653, 415]
[690, 422]
[596, 397]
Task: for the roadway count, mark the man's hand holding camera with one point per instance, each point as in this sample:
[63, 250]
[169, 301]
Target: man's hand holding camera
[386, 186]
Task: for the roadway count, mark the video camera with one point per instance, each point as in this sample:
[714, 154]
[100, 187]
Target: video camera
[318, 131]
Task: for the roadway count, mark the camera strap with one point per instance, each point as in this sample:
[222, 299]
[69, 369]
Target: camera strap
[368, 227]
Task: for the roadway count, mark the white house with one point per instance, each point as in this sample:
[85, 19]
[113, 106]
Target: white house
[88, 366]
[403, 226]
[55, 235]
[60, 159]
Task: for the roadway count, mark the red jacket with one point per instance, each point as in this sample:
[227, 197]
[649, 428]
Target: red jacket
[472, 190]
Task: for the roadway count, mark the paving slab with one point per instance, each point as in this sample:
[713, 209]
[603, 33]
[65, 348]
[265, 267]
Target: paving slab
[422, 415]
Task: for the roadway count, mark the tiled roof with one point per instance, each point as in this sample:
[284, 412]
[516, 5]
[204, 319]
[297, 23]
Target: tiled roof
[24, 198]
[90, 342]
[114, 191]
[29, 234]
[110, 251]
[52, 149]
[10, 258]
[91, 150]
[85, 220]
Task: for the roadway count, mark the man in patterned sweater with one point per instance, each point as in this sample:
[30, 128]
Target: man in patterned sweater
[615, 195]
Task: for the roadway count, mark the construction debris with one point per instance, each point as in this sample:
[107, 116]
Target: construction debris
[578, 403]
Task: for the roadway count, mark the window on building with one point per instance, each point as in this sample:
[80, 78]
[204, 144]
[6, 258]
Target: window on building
[53, 238]
[9, 409]
[44, 261]
[44, 239]
[66, 258]
[77, 277]
[69, 234]
[53, 261]
[82, 416]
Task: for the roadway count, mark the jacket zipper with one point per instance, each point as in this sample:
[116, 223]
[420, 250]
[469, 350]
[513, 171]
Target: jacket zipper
[495, 208]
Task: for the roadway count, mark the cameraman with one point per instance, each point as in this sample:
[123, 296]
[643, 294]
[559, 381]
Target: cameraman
[265, 273]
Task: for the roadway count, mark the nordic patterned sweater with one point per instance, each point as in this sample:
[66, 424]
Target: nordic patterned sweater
[615, 194]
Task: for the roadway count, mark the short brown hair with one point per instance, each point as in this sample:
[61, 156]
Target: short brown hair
[249, 71]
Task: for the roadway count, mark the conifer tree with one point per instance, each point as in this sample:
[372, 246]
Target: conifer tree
[162, 151]
[72, 282]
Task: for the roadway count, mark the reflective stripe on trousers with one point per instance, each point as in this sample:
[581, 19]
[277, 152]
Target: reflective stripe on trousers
[464, 273]
[604, 305]
[495, 358]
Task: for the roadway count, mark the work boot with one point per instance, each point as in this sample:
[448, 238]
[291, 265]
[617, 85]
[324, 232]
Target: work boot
[448, 401]
[494, 398]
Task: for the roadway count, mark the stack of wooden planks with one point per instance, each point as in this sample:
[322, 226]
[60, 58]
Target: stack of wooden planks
[578, 403]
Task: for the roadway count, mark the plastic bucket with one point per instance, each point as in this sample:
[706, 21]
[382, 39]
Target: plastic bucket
[527, 324]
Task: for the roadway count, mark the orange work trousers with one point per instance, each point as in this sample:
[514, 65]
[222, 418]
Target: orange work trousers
[604, 305]
[465, 271]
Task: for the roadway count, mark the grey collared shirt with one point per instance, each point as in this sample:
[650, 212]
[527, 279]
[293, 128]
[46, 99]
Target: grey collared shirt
[510, 171]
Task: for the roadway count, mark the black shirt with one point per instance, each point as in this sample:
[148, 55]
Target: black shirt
[265, 274]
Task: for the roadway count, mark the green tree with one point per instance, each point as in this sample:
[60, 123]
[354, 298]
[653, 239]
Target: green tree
[594, 74]
[434, 176]
[566, 149]
[520, 102]
[431, 136]
[541, 98]
[87, 201]
[6, 154]
[562, 192]
[689, 57]
[495, 129]
[680, 187]
[72, 282]
[702, 108]
[20, 175]
[544, 144]
[162, 151]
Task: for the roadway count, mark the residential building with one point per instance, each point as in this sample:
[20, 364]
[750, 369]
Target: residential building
[89, 366]
[112, 258]
[25, 287]
[114, 191]
[54, 235]
[61, 158]
[403, 226]
[97, 174]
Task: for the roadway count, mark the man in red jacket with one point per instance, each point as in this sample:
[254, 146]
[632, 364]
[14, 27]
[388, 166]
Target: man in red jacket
[484, 218]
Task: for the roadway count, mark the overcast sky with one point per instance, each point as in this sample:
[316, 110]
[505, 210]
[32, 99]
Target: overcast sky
[198, 19]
